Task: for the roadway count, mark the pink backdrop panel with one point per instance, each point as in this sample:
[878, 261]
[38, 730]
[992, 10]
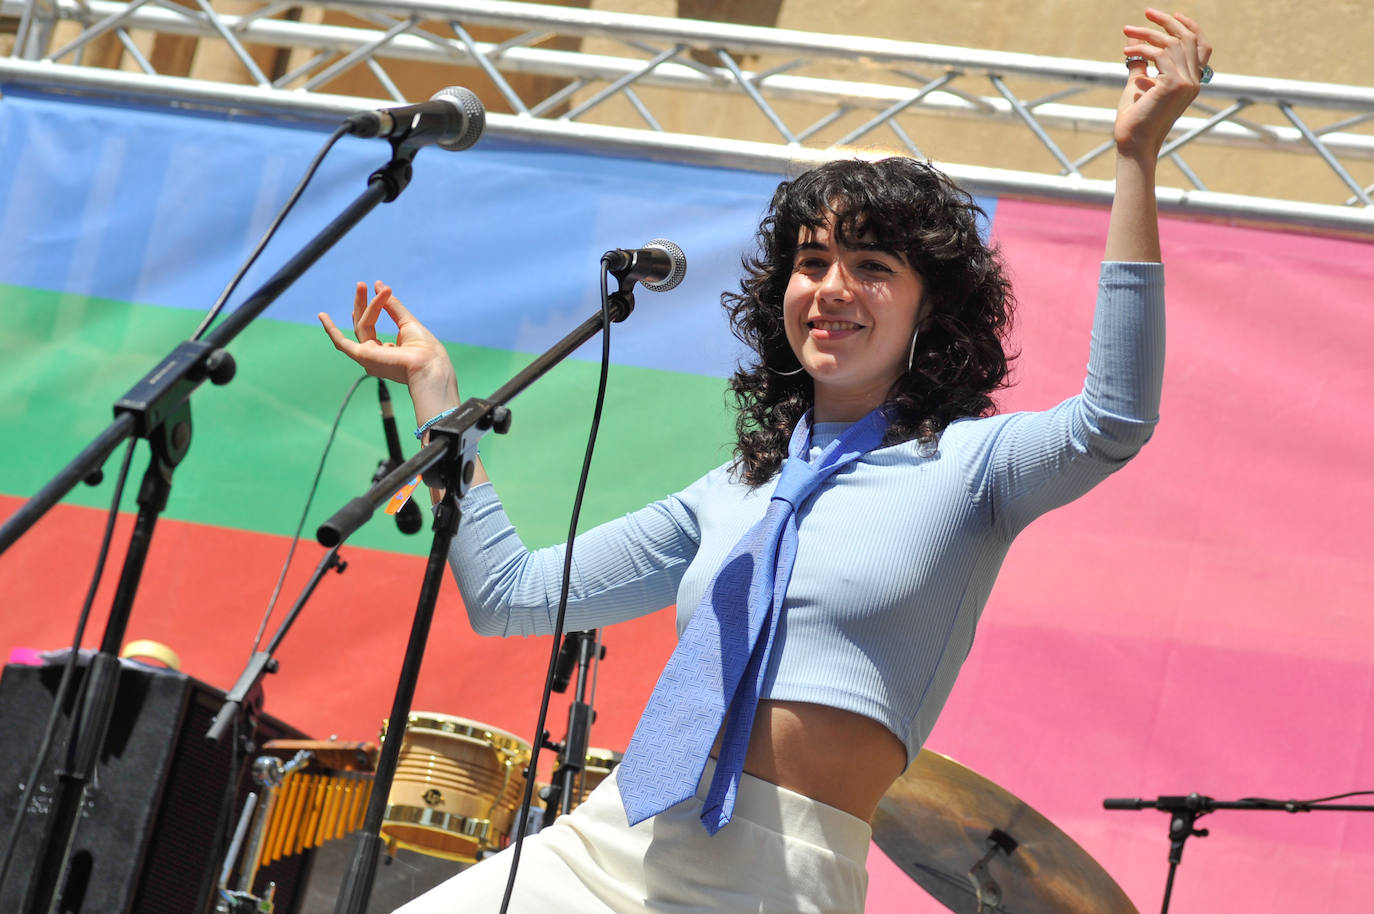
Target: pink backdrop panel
[1199, 622]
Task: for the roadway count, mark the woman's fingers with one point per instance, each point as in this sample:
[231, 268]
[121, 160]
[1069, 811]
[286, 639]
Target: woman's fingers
[359, 301]
[1146, 54]
[1204, 47]
[337, 337]
[1152, 102]
[416, 353]
[365, 325]
[1179, 48]
[398, 312]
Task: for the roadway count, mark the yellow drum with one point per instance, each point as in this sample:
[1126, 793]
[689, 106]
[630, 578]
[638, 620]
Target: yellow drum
[457, 788]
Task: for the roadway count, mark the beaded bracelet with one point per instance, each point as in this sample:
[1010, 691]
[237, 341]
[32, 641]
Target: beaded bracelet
[420, 432]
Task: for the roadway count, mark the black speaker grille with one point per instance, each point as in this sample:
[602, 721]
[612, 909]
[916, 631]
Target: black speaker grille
[147, 840]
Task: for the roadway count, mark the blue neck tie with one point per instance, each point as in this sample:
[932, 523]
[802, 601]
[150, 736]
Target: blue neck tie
[715, 674]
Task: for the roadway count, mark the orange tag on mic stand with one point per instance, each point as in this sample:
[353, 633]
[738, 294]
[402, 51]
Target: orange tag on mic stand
[399, 500]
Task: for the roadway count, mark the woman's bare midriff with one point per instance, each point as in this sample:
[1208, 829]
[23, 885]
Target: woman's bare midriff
[836, 757]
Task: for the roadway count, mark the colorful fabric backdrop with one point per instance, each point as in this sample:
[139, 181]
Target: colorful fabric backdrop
[1198, 623]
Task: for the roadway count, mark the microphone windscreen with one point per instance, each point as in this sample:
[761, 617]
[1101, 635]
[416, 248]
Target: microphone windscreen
[474, 116]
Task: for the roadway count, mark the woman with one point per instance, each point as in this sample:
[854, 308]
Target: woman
[876, 316]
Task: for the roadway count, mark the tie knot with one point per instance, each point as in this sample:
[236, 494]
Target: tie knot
[797, 481]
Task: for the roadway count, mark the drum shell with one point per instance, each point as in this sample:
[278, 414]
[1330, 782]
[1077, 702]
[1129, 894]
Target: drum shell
[457, 788]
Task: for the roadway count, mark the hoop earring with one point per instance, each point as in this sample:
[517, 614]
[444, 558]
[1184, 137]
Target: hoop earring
[782, 374]
[911, 353]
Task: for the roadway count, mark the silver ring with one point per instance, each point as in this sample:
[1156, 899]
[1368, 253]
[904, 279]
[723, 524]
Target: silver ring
[1207, 74]
[1134, 59]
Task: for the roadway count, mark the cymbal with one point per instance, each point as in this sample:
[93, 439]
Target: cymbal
[939, 820]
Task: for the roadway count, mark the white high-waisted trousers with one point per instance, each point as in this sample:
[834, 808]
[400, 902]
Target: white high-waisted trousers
[782, 852]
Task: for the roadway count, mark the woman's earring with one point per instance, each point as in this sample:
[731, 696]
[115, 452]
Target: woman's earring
[786, 374]
[911, 354]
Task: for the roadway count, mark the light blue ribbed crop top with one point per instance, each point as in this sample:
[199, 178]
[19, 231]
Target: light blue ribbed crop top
[896, 554]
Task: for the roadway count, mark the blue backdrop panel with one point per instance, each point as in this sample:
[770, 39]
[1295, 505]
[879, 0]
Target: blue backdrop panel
[499, 244]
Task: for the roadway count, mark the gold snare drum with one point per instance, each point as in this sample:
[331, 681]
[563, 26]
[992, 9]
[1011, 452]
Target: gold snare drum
[457, 788]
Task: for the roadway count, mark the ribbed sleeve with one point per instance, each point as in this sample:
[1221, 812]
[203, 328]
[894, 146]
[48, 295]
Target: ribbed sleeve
[622, 569]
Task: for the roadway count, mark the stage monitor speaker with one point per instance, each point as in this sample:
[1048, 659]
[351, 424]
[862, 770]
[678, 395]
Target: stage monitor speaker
[155, 819]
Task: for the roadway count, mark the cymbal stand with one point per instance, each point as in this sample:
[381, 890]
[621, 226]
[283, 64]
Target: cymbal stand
[1184, 811]
[986, 889]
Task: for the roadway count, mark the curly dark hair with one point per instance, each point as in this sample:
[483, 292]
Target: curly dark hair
[914, 209]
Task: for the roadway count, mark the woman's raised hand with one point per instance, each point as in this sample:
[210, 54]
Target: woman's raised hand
[417, 358]
[1150, 104]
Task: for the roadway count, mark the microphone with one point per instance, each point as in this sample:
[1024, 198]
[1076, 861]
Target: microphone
[408, 519]
[658, 266]
[569, 652]
[567, 659]
[452, 119]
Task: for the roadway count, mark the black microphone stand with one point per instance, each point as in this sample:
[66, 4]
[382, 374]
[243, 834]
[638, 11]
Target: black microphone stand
[447, 461]
[572, 753]
[263, 662]
[1184, 811]
[156, 408]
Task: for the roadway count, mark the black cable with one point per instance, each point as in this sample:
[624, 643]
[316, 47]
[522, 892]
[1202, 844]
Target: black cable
[69, 670]
[225, 823]
[1339, 796]
[563, 594]
[218, 306]
[295, 540]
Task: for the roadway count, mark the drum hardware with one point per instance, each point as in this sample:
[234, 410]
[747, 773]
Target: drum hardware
[235, 901]
[986, 890]
[317, 795]
[978, 849]
[456, 796]
[1184, 811]
[268, 771]
[598, 766]
[577, 650]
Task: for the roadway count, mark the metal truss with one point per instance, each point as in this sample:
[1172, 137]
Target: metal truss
[649, 69]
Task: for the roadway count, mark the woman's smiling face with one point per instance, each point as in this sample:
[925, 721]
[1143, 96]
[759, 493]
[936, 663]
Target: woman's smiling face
[850, 310]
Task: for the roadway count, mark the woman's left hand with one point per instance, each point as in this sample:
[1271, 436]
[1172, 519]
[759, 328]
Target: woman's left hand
[1151, 103]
